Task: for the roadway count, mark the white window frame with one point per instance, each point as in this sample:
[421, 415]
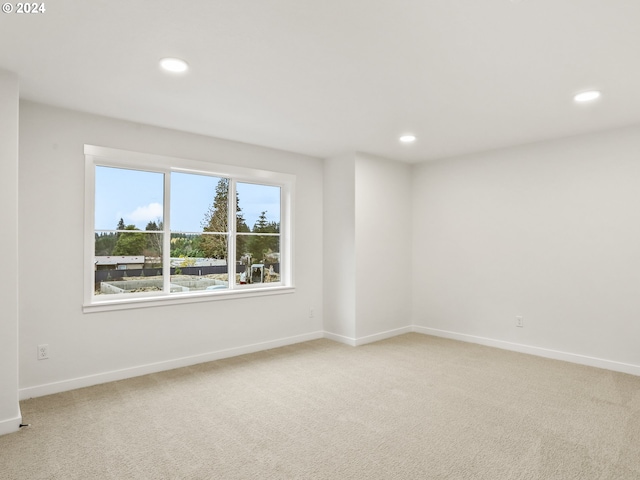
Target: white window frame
[111, 157]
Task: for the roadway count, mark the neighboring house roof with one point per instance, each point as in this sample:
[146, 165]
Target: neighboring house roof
[119, 260]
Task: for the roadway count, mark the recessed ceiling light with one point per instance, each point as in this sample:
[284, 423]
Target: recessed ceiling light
[175, 65]
[408, 138]
[587, 96]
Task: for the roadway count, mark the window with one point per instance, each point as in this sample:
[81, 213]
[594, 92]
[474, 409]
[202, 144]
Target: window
[162, 229]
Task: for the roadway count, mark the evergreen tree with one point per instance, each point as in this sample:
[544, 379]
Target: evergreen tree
[104, 243]
[153, 240]
[120, 226]
[216, 220]
[262, 245]
[242, 241]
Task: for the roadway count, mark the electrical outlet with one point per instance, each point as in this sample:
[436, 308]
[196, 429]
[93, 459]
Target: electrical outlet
[43, 352]
[519, 321]
[312, 312]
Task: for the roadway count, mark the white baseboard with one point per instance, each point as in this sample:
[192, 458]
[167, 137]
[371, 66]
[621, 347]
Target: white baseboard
[355, 342]
[340, 338]
[80, 382]
[383, 335]
[10, 425]
[539, 351]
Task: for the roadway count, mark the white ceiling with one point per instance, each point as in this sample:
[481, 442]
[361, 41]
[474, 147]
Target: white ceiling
[326, 77]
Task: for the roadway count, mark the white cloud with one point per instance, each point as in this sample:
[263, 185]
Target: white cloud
[145, 214]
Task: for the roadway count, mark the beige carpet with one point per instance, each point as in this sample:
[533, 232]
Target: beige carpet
[410, 407]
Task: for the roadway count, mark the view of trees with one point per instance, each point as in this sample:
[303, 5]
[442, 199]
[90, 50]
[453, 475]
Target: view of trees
[216, 220]
[153, 243]
[129, 240]
[104, 243]
[130, 243]
[186, 245]
[262, 246]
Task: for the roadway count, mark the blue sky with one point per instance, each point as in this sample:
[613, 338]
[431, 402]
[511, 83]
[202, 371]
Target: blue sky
[137, 197]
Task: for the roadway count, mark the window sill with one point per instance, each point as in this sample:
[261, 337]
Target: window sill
[145, 302]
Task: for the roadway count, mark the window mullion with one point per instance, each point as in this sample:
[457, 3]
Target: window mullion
[285, 235]
[166, 235]
[231, 241]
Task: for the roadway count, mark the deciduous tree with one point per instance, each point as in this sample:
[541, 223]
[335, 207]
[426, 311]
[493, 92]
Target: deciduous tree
[130, 243]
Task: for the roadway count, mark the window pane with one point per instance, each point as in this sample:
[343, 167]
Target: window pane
[127, 262]
[190, 271]
[259, 207]
[128, 198]
[199, 203]
[206, 233]
[262, 262]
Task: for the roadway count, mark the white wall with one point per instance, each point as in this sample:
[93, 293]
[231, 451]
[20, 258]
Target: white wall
[94, 347]
[367, 209]
[9, 409]
[549, 231]
[339, 247]
[383, 245]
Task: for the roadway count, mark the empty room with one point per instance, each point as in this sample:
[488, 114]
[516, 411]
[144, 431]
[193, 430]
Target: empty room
[287, 239]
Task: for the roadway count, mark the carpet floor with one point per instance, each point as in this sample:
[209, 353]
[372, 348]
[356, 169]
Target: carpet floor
[410, 407]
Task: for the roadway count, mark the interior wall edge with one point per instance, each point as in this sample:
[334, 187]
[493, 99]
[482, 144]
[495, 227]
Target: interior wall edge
[10, 425]
[340, 338]
[376, 337]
